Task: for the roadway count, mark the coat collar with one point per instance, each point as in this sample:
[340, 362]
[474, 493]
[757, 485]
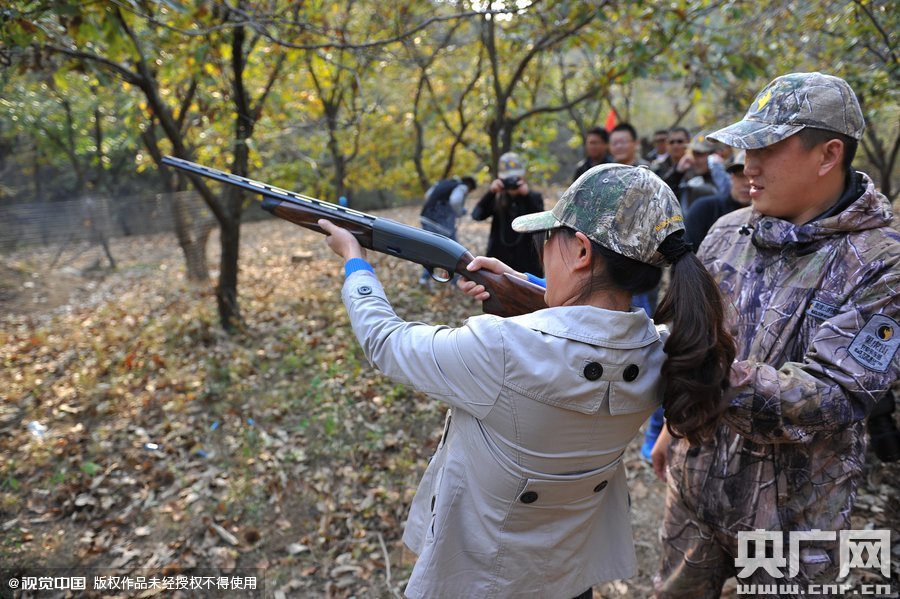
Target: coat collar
[596, 326]
[871, 210]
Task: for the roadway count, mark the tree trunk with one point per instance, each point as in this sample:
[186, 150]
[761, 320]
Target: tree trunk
[340, 174]
[882, 159]
[192, 238]
[226, 290]
[419, 147]
[494, 136]
[334, 147]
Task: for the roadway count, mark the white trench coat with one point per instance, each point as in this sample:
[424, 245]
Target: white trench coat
[526, 495]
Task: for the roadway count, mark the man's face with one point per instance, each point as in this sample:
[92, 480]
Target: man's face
[677, 145]
[740, 187]
[660, 143]
[701, 162]
[595, 147]
[781, 178]
[622, 146]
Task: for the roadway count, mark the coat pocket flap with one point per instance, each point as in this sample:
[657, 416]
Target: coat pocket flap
[561, 490]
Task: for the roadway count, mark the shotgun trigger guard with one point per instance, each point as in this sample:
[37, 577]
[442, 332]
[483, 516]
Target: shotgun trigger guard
[441, 275]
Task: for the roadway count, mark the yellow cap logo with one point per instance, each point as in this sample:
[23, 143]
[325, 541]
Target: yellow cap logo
[669, 221]
[764, 100]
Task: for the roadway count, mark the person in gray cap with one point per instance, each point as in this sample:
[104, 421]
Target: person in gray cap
[812, 269]
[695, 176]
[707, 210]
[526, 495]
[508, 197]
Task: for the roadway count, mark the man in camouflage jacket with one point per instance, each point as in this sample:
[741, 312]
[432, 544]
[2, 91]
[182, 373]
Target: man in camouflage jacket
[812, 271]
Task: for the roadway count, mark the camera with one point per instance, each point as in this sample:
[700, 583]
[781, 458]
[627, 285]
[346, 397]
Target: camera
[510, 182]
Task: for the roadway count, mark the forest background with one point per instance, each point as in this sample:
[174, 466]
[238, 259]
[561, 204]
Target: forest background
[369, 100]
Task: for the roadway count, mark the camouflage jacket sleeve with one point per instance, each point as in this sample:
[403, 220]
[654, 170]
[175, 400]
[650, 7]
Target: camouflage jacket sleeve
[850, 362]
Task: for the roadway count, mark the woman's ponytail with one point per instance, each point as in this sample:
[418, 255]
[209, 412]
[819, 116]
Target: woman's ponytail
[699, 349]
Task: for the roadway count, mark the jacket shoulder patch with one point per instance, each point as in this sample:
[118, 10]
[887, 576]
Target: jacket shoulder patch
[875, 345]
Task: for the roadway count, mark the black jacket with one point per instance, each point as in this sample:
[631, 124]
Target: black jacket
[515, 249]
[583, 166]
[703, 214]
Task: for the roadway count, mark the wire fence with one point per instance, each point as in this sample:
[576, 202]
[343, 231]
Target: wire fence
[97, 218]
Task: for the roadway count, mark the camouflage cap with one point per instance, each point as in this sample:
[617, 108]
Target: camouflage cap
[791, 103]
[511, 165]
[626, 209]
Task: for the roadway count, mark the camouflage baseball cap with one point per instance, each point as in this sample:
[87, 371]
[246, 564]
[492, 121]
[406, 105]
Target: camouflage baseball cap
[626, 209]
[791, 103]
[511, 165]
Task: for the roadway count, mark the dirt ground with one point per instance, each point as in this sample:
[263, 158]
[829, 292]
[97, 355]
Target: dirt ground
[33, 297]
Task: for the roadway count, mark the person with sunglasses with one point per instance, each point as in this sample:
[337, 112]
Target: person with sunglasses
[676, 144]
[526, 494]
[660, 146]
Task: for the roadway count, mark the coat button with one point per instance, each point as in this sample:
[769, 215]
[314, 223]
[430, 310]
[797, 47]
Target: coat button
[364, 290]
[593, 371]
[601, 486]
[528, 497]
[759, 268]
[631, 372]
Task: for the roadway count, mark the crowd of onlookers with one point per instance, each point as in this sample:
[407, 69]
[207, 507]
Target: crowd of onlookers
[706, 176]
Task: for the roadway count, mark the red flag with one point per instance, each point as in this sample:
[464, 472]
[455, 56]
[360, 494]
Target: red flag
[611, 119]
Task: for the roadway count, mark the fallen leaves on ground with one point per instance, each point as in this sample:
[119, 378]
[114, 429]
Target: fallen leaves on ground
[138, 436]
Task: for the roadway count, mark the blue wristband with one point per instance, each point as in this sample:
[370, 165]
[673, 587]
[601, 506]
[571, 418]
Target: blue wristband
[536, 280]
[354, 264]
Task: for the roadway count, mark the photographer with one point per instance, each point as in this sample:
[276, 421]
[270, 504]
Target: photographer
[508, 198]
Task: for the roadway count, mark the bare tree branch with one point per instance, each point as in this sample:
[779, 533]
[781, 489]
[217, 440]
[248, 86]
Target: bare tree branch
[122, 71]
[887, 38]
[186, 101]
[261, 27]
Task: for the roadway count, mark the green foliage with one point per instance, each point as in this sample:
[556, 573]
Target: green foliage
[365, 98]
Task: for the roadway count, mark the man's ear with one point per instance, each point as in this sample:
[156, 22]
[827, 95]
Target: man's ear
[832, 156]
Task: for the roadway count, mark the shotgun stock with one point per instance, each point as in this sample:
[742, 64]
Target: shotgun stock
[510, 296]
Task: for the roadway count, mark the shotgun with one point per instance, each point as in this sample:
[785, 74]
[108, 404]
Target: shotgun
[510, 295]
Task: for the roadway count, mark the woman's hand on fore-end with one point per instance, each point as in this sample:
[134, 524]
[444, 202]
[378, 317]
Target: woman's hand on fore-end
[341, 241]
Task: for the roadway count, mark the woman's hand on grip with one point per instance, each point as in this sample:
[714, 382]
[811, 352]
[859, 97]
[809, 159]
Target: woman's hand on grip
[477, 291]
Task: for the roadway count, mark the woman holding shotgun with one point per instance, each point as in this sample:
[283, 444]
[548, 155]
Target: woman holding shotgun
[526, 495]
